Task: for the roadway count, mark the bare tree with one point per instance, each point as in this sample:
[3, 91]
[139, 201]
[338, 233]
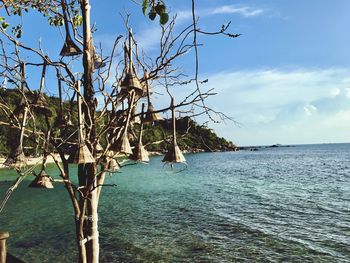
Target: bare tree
[108, 124]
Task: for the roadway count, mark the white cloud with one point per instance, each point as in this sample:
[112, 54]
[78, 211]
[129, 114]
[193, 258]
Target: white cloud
[274, 106]
[149, 37]
[335, 92]
[309, 109]
[347, 91]
[231, 9]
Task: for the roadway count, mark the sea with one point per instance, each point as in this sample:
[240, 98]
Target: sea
[283, 204]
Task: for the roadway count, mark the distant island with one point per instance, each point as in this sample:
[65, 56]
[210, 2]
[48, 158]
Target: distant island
[192, 137]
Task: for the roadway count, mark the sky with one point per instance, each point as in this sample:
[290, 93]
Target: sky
[285, 80]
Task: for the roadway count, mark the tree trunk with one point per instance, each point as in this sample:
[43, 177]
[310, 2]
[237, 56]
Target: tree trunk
[3, 251]
[90, 170]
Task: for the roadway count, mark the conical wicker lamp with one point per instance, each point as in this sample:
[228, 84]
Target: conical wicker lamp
[174, 154]
[81, 153]
[62, 120]
[42, 180]
[140, 154]
[112, 166]
[16, 158]
[40, 103]
[122, 145]
[18, 111]
[131, 81]
[151, 116]
[69, 47]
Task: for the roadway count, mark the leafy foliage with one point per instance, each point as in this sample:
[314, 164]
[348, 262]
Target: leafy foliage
[157, 137]
[155, 8]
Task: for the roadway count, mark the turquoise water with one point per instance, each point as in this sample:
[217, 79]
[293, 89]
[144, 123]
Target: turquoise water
[273, 205]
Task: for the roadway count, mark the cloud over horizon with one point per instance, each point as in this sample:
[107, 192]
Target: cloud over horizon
[284, 106]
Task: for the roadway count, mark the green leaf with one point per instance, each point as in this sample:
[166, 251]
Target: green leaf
[160, 9]
[144, 6]
[4, 25]
[152, 15]
[77, 21]
[164, 18]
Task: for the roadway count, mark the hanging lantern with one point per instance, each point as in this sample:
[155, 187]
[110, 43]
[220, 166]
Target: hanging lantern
[151, 116]
[131, 81]
[69, 47]
[18, 111]
[42, 180]
[16, 158]
[41, 106]
[174, 154]
[62, 120]
[122, 145]
[111, 165]
[140, 153]
[40, 103]
[81, 153]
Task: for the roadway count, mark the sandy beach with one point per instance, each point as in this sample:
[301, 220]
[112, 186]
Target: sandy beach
[33, 160]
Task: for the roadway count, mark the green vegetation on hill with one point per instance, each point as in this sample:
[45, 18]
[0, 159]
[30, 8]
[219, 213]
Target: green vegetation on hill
[191, 136]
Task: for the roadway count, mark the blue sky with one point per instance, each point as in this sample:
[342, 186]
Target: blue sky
[285, 80]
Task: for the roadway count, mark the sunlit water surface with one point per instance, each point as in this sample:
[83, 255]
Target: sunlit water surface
[274, 205]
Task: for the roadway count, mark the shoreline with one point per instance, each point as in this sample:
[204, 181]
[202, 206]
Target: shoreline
[32, 160]
[50, 159]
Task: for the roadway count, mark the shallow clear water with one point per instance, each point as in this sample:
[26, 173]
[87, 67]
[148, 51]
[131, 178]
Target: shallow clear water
[273, 205]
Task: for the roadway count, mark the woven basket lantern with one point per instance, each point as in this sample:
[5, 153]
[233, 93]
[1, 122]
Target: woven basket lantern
[122, 145]
[19, 109]
[41, 106]
[16, 158]
[42, 180]
[131, 81]
[151, 116]
[112, 165]
[80, 154]
[69, 47]
[140, 154]
[174, 154]
[63, 119]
